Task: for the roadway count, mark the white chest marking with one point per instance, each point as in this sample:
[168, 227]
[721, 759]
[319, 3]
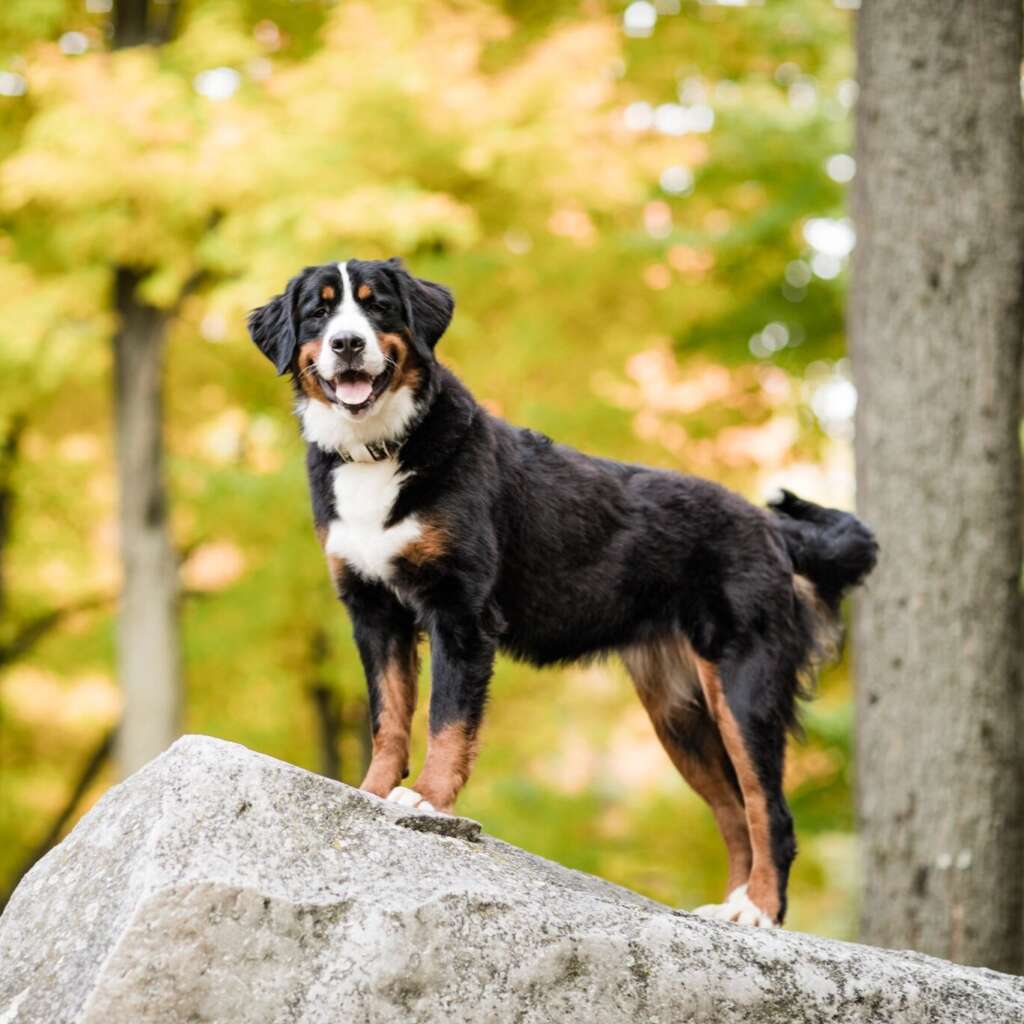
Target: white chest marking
[364, 494]
[332, 427]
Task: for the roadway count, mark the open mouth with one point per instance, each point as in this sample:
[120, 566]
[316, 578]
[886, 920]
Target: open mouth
[355, 390]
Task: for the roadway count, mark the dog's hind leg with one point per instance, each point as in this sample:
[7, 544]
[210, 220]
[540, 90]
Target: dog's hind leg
[737, 693]
[665, 677]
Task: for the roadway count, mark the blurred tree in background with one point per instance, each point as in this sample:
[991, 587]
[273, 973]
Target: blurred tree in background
[937, 318]
[639, 207]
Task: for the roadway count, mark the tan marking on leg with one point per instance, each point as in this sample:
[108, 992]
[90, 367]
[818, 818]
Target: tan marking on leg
[364, 292]
[390, 760]
[327, 293]
[429, 546]
[665, 699]
[450, 756]
[763, 887]
[665, 674]
[710, 783]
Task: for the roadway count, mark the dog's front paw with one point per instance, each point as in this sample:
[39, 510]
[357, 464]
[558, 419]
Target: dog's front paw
[738, 908]
[409, 798]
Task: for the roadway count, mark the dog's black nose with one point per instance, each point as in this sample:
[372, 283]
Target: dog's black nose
[348, 344]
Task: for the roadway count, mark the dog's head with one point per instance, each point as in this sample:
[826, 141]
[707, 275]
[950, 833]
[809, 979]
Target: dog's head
[354, 334]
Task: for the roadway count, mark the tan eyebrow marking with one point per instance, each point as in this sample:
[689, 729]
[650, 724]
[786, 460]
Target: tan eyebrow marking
[327, 293]
[364, 291]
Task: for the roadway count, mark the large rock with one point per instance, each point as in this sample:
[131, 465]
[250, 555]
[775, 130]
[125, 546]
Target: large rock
[220, 885]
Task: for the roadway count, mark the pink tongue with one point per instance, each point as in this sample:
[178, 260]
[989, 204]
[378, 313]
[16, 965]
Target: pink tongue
[353, 392]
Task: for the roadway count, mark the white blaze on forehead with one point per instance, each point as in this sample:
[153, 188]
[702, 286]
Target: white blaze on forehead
[349, 318]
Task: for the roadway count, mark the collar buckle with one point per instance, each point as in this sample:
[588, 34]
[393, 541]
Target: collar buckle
[375, 451]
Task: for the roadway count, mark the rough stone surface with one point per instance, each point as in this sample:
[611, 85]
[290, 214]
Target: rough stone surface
[220, 885]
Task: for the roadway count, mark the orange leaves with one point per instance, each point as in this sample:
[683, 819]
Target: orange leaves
[713, 419]
[213, 566]
[67, 707]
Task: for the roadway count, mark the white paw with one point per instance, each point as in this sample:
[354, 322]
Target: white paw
[737, 908]
[409, 798]
[714, 911]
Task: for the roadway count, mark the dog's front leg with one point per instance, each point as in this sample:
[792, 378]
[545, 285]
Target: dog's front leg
[462, 659]
[385, 633]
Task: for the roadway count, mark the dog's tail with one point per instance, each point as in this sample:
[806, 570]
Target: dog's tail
[831, 549]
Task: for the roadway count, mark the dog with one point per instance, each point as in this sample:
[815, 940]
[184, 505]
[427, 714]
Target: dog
[436, 517]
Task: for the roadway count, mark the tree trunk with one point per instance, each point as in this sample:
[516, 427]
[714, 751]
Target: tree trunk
[326, 706]
[137, 22]
[148, 658]
[8, 464]
[935, 328]
[131, 23]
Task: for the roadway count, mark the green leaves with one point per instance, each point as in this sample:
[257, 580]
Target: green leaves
[516, 151]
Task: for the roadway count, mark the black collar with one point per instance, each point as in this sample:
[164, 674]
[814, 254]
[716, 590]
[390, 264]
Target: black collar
[375, 451]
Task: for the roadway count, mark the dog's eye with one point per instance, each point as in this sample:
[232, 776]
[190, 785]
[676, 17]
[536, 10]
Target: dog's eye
[320, 311]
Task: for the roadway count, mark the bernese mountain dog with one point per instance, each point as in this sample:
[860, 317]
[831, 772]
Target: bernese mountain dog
[436, 517]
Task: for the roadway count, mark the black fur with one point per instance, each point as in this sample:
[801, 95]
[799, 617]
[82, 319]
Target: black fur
[553, 556]
[833, 549]
[428, 307]
[273, 327]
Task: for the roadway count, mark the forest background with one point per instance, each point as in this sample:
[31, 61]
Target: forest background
[641, 210]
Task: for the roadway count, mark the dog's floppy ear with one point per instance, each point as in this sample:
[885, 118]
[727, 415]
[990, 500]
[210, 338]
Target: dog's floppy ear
[428, 307]
[273, 327]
